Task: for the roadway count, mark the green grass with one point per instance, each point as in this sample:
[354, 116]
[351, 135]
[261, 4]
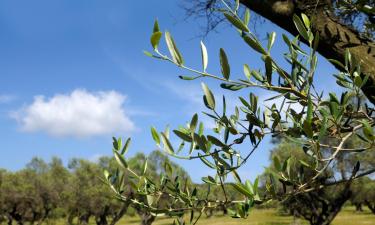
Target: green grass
[347, 216]
[268, 217]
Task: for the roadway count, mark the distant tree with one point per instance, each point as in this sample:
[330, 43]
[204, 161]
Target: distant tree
[364, 194]
[318, 206]
[87, 196]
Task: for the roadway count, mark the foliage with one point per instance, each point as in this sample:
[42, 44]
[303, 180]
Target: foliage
[306, 117]
[45, 192]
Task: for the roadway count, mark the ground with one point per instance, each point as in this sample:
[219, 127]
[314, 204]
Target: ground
[269, 217]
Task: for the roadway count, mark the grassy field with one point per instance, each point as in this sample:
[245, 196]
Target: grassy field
[268, 217]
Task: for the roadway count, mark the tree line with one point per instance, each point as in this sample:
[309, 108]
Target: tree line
[44, 192]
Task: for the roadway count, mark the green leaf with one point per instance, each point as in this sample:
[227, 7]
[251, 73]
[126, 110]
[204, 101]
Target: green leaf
[337, 63]
[120, 160]
[249, 187]
[257, 75]
[236, 22]
[176, 56]
[201, 141]
[271, 40]
[357, 79]
[149, 54]
[167, 145]
[155, 39]
[209, 180]
[247, 17]
[242, 189]
[304, 163]
[254, 44]
[306, 20]
[208, 97]
[255, 186]
[156, 27]
[144, 167]
[286, 40]
[300, 27]
[206, 162]
[247, 71]
[193, 123]
[182, 135]
[126, 146]
[225, 68]
[204, 56]
[232, 87]
[268, 64]
[245, 103]
[187, 78]
[368, 130]
[155, 135]
[215, 141]
[237, 6]
[201, 128]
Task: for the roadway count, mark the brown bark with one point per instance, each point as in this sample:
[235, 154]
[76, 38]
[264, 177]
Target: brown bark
[335, 37]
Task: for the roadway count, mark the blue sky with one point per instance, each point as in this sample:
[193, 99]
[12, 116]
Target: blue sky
[72, 75]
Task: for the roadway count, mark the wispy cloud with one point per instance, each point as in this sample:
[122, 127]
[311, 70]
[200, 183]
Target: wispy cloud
[79, 114]
[6, 98]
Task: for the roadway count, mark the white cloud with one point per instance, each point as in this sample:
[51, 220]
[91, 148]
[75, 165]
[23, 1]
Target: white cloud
[79, 114]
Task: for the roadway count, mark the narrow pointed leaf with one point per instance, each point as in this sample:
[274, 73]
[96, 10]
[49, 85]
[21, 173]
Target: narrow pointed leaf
[204, 56]
[225, 68]
[209, 97]
[236, 22]
[155, 135]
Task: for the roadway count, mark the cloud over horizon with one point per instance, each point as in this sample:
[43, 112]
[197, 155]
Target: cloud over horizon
[77, 114]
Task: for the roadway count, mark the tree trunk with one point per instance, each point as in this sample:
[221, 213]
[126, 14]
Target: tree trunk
[358, 207]
[120, 214]
[84, 219]
[147, 218]
[370, 206]
[101, 219]
[335, 37]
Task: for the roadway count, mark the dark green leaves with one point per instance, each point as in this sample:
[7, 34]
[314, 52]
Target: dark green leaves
[225, 68]
[120, 160]
[193, 123]
[268, 64]
[300, 27]
[167, 145]
[182, 135]
[209, 180]
[208, 97]
[236, 22]
[232, 87]
[254, 44]
[155, 135]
